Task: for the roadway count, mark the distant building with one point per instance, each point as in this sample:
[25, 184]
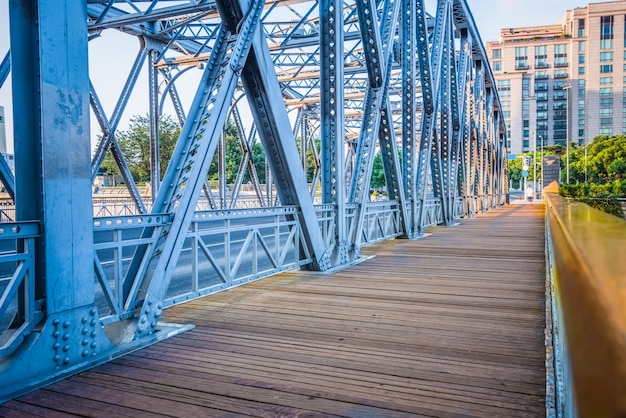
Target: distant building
[565, 80]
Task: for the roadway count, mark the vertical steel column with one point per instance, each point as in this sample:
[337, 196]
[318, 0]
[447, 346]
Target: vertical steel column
[409, 108]
[52, 145]
[153, 83]
[53, 187]
[332, 120]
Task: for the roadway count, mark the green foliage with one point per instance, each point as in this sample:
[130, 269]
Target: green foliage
[378, 172]
[605, 179]
[606, 161]
[233, 153]
[135, 144]
[514, 167]
[599, 196]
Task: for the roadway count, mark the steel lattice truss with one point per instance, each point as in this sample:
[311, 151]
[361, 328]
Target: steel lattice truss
[322, 85]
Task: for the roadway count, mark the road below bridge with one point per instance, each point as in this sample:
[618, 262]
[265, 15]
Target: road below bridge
[449, 325]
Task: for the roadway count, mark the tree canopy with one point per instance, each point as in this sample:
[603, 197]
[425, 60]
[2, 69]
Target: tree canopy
[135, 144]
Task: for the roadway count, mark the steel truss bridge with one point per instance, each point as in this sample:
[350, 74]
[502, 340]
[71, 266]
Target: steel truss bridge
[356, 77]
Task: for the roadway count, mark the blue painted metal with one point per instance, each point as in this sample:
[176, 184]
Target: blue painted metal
[335, 66]
[5, 68]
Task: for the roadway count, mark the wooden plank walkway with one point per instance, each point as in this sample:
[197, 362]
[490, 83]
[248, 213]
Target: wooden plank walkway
[450, 325]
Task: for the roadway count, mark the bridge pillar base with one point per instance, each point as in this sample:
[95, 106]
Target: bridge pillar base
[67, 343]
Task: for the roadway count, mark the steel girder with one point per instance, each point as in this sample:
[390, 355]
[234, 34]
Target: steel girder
[358, 77]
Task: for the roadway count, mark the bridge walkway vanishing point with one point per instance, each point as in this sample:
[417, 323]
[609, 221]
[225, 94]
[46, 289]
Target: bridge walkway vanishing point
[449, 325]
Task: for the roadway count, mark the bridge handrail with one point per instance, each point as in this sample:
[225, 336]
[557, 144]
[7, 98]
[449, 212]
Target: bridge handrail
[588, 269]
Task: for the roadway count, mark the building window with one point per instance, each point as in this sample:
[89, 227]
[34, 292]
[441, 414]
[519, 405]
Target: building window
[606, 32]
[581, 28]
[606, 101]
[606, 131]
[525, 87]
[496, 54]
[497, 66]
[541, 56]
[543, 96]
[581, 132]
[606, 91]
[581, 122]
[581, 70]
[541, 86]
[526, 123]
[560, 85]
[526, 143]
[606, 81]
[560, 55]
[521, 58]
[606, 44]
[542, 115]
[526, 133]
[581, 113]
[581, 104]
[542, 105]
[607, 68]
[560, 74]
[543, 75]
[581, 58]
[606, 112]
[506, 104]
[560, 95]
[606, 56]
[581, 46]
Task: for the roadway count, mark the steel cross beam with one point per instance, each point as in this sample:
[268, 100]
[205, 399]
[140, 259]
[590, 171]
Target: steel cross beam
[337, 68]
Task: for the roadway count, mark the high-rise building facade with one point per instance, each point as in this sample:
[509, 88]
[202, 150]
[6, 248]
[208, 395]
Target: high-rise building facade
[563, 81]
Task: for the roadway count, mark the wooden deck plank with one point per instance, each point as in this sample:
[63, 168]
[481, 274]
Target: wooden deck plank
[449, 325]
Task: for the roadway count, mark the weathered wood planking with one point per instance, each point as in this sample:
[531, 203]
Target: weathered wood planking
[449, 325]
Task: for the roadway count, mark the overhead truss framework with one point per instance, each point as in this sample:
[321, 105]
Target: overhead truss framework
[314, 91]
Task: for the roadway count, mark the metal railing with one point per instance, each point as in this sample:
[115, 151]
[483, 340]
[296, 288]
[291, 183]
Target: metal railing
[223, 249]
[588, 282]
[20, 311]
[382, 221]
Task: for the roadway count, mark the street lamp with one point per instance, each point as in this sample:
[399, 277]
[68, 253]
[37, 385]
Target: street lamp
[534, 165]
[567, 87]
[541, 152]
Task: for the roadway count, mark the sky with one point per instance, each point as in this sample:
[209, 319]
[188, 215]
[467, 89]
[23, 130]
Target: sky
[490, 16]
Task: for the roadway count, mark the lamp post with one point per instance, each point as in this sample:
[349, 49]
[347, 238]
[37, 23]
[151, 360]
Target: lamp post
[567, 87]
[541, 152]
[534, 165]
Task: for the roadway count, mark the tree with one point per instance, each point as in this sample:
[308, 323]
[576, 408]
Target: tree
[378, 172]
[606, 160]
[135, 145]
[234, 154]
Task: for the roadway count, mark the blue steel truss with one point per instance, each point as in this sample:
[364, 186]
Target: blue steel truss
[322, 86]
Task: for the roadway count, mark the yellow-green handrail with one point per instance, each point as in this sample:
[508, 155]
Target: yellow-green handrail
[589, 273]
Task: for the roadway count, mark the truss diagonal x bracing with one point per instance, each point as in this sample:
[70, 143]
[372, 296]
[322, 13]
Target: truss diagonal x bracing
[228, 140]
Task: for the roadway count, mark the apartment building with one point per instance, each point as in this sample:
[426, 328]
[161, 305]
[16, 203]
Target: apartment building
[565, 81]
